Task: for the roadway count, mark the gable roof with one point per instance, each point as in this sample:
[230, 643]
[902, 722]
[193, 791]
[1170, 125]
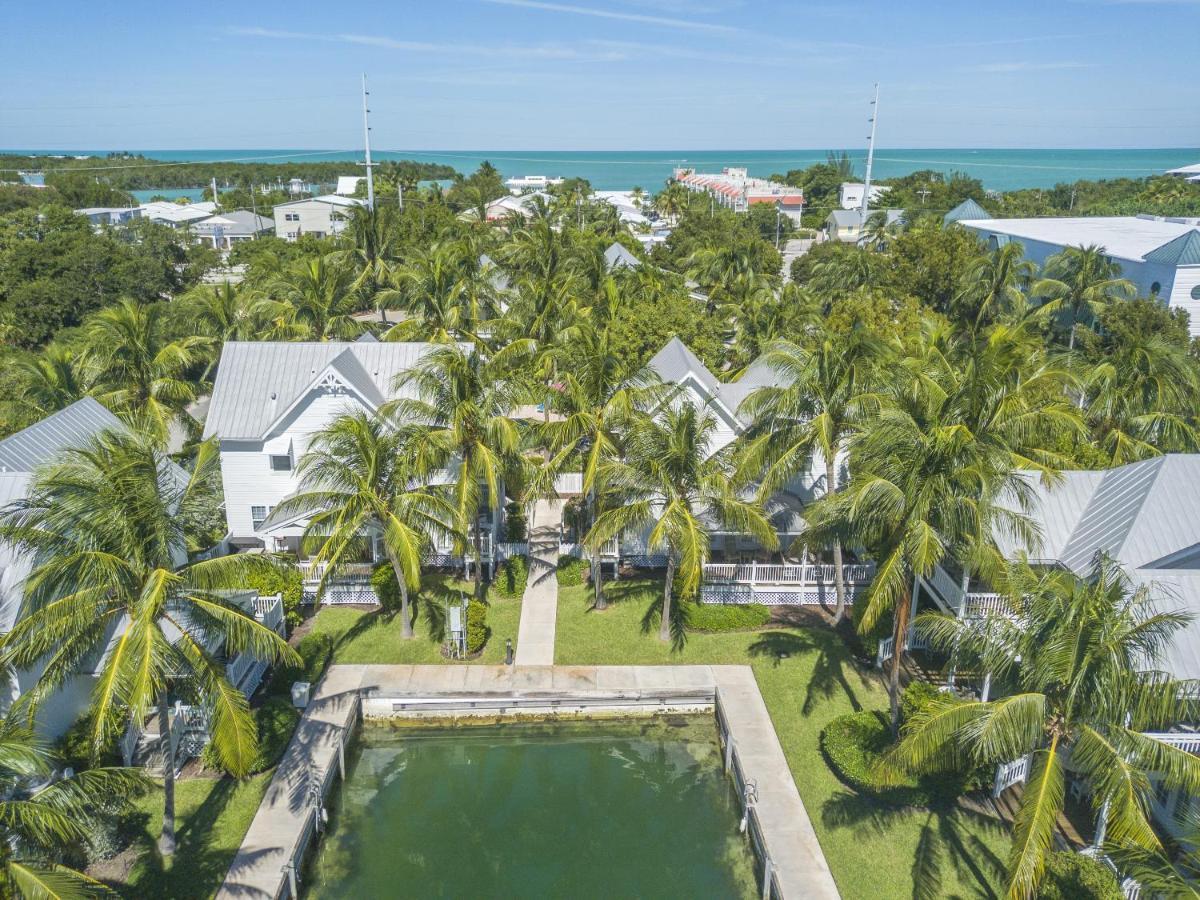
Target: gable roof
[259, 381]
[853, 218]
[327, 199]
[675, 362]
[42, 441]
[617, 255]
[236, 221]
[968, 209]
[1182, 251]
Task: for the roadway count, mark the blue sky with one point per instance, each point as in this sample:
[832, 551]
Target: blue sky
[600, 74]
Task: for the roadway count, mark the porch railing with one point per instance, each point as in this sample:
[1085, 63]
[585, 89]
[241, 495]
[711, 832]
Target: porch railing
[980, 605]
[1185, 741]
[312, 571]
[887, 646]
[1010, 773]
[946, 587]
[269, 611]
[785, 573]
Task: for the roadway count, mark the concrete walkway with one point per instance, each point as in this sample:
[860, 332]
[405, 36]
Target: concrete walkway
[539, 605]
[258, 870]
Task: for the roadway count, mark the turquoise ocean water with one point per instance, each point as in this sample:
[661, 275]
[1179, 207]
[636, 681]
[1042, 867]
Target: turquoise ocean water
[615, 170]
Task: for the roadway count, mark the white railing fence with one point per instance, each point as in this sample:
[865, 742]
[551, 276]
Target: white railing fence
[784, 573]
[916, 641]
[1187, 741]
[269, 611]
[987, 604]
[1010, 773]
[945, 585]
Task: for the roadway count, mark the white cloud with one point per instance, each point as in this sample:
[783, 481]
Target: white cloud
[595, 12]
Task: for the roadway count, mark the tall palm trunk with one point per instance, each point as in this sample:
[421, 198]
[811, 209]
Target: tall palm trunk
[664, 628]
[477, 543]
[900, 619]
[597, 555]
[406, 628]
[839, 583]
[166, 842]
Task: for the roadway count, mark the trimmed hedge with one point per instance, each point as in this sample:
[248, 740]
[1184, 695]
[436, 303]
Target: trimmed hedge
[714, 618]
[1073, 876]
[387, 590]
[512, 577]
[855, 742]
[287, 582]
[478, 631]
[276, 720]
[571, 571]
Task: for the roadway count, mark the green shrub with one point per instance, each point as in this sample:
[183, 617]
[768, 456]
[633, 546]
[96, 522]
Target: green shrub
[511, 577]
[74, 748]
[571, 571]
[915, 697]
[387, 590]
[718, 617]
[854, 743]
[1073, 876]
[477, 626]
[287, 582]
[316, 651]
[276, 720]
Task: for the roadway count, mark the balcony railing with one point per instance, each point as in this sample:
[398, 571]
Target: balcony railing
[784, 574]
[312, 571]
[269, 611]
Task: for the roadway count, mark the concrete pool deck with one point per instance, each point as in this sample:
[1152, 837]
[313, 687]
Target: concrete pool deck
[259, 869]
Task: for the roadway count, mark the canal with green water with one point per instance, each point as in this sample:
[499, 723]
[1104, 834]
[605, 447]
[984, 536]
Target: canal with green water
[612, 809]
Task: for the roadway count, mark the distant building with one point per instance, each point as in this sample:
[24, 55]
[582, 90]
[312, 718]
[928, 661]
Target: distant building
[317, 216]
[502, 207]
[968, 209]
[177, 215]
[110, 215]
[1191, 173]
[851, 194]
[735, 189]
[1161, 256]
[846, 225]
[531, 183]
[348, 184]
[229, 228]
[626, 205]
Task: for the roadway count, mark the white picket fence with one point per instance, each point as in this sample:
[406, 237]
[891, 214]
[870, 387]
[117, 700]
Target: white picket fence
[755, 573]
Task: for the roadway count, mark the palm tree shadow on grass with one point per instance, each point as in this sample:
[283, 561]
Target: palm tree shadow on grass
[949, 842]
[197, 868]
[829, 677]
[429, 604]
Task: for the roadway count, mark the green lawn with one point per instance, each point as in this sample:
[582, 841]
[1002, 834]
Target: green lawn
[212, 818]
[807, 677]
[373, 636]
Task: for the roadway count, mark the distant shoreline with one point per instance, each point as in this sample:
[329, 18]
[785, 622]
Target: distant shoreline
[998, 168]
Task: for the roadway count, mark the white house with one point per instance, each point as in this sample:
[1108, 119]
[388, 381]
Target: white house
[21, 456]
[269, 399]
[1160, 255]
[850, 195]
[1190, 173]
[519, 185]
[222, 231]
[323, 216]
[177, 215]
[741, 571]
[110, 215]
[846, 225]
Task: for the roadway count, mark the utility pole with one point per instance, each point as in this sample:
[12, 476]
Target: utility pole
[866, 200]
[216, 199]
[367, 146]
[778, 209]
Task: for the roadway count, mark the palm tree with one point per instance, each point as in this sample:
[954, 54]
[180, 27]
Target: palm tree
[315, 301]
[826, 391]
[139, 371]
[50, 381]
[359, 478]
[1080, 280]
[118, 589]
[447, 295]
[671, 202]
[668, 482]
[957, 424]
[877, 231]
[39, 826]
[374, 233]
[1140, 399]
[1081, 656]
[225, 313]
[596, 401]
[462, 406]
[994, 286]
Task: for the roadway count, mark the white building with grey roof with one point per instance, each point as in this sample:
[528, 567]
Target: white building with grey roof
[1160, 255]
[269, 399]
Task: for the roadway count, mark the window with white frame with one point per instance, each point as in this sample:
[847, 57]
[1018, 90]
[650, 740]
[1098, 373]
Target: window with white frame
[291, 217]
[258, 515]
[281, 462]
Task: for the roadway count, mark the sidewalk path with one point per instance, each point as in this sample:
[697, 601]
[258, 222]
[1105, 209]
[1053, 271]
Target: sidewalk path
[539, 606]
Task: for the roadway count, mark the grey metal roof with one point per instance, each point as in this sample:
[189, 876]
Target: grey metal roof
[235, 222]
[852, 218]
[968, 209]
[617, 255]
[1182, 251]
[41, 442]
[675, 361]
[258, 381]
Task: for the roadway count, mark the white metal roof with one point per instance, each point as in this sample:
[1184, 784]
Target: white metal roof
[259, 381]
[1193, 169]
[1126, 237]
[42, 441]
[327, 199]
